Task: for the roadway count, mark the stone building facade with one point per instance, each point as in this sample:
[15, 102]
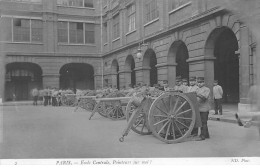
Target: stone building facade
[181, 37]
[176, 37]
[49, 43]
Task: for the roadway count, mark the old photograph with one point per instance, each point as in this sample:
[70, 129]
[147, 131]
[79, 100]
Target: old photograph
[129, 82]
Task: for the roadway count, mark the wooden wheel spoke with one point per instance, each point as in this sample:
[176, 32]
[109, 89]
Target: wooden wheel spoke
[173, 131]
[160, 116]
[138, 123]
[161, 110]
[180, 107]
[164, 125]
[112, 110]
[183, 112]
[116, 113]
[185, 118]
[168, 128]
[175, 105]
[166, 107]
[179, 129]
[160, 121]
[142, 130]
[182, 124]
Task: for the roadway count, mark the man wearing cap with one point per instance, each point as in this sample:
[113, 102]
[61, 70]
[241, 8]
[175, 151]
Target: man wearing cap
[203, 95]
[217, 94]
[193, 84]
[193, 88]
[178, 84]
[184, 86]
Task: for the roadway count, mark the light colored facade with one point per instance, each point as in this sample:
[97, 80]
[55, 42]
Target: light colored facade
[49, 43]
[182, 37]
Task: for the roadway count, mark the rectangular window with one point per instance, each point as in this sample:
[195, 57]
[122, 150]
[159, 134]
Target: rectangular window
[89, 33]
[173, 4]
[24, 1]
[88, 3]
[105, 32]
[21, 30]
[76, 33]
[116, 31]
[131, 17]
[151, 10]
[36, 30]
[63, 32]
[76, 3]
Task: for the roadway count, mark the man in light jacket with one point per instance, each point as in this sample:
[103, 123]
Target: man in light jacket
[217, 94]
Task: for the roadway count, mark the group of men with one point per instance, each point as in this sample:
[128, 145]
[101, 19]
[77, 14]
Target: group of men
[51, 96]
[197, 85]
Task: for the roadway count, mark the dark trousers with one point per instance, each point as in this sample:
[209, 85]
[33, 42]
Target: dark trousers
[204, 128]
[35, 98]
[218, 106]
[49, 100]
[54, 101]
[46, 100]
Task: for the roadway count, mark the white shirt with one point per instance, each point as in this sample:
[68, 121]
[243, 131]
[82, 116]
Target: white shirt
[217, 92]
[193, 88]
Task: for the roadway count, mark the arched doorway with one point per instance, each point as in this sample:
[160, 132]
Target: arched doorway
[20, 79]
[223, 44]
[115, 74]
[226, 65]
[182, 68]
[77, 76]
[149, 64]
[178, 54]
[129, 67]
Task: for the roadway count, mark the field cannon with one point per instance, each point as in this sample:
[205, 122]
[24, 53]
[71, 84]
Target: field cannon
[170, 117]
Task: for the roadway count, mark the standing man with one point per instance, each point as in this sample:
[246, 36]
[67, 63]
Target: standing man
[184, 86]
[45, 96]
[193, 88]
[203, 93]
[178, 84]
[217, 94]
[193, 84]
[35, 94]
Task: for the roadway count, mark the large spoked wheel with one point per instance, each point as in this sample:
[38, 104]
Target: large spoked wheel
[171, 117]
[140, 125]
[68, 100]
[87, 104]
[114, 110]
[101, 109]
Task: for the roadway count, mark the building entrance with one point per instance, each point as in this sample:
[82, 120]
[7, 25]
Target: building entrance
[77, 76]
[226, 65]
[20, 79]
[182, 68]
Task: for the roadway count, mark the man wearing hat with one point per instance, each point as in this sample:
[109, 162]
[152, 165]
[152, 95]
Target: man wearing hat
[193, 88]
[178, 84]
[203, 95]
[184, 86]
[193, 84]
[217, 94]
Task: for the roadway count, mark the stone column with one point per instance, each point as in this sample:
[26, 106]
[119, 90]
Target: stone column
[98, 81]
[51, 80]
[121, 79]
[143, 75]
[114, 79]
[203, 67]
[167, 72]
[127, 77]
[244, 80]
